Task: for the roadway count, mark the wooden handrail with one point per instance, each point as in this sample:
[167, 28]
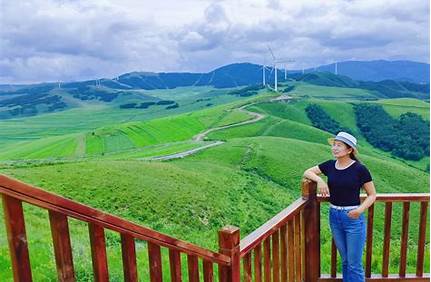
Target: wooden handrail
[271, 226]
[391, 197]
[38, 197]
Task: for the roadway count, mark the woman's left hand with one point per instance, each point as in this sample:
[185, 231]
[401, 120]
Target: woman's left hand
[354, 213]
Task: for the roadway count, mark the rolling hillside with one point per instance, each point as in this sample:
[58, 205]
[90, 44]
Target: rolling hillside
[244, 182]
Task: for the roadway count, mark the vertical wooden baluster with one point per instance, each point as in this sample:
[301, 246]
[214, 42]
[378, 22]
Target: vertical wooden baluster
[387, 238]
[267, 259]
[311, 231]
[193, 268]
[297, 248]
[229, 238]
[404, 239]
[258, 263]
[421, 239]
[290, 251]
[208, 271]
[98, 252]
[175, 265]
[333, 259]
[369, 247]
[247, 267]
[129, 258]
[155, 262]
[302, 245]
[276, 256]
[62, 246]
[17, 239]
[283, 257]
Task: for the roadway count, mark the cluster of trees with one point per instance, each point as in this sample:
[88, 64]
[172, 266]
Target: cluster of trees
[407, 137]
[246, 91]
[145, 105]
[288, 88]
[89, 93]
[28, 104]
[320, 119]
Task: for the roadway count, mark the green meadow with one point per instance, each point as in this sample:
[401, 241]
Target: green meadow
[243, 182]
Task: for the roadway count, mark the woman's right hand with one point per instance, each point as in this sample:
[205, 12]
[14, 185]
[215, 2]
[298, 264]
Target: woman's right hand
[323, 188]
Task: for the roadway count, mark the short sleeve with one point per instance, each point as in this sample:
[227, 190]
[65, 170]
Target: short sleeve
[324, 167]
[364, 175]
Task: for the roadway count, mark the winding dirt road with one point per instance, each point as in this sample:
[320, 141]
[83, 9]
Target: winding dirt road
[201, 136]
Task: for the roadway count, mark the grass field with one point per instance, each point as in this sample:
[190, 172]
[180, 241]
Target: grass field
[244, 182]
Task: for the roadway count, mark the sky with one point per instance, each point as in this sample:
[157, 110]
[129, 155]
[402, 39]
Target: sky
[69, 40]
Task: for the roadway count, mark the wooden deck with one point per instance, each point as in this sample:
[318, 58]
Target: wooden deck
[285, 248]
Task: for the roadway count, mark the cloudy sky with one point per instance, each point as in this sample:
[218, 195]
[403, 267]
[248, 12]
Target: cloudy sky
[48, 40]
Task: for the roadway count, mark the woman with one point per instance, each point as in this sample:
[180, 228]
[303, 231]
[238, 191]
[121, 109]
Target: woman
[346, 176]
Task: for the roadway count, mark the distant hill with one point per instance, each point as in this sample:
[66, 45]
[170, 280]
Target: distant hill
[380, 70]
[383, 89]
[28, 100]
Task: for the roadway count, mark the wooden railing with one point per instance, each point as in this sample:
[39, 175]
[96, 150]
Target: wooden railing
[14, 192]
[286, 248]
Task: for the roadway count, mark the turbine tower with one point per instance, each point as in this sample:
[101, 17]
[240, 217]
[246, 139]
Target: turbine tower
[275, 62]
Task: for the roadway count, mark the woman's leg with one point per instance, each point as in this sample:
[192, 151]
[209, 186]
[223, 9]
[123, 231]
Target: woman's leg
[355, 242]
[339, 235]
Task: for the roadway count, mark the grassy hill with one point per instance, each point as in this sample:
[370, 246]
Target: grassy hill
[244, 182]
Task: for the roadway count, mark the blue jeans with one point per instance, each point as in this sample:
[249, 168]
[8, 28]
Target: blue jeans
[349, 235]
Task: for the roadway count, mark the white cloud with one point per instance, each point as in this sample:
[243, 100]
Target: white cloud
[73, 40]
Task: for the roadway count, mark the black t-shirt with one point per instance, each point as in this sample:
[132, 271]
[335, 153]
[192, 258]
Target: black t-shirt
[345, 184]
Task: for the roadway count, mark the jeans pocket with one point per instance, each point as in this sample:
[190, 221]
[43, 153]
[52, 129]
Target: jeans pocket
[359, 219]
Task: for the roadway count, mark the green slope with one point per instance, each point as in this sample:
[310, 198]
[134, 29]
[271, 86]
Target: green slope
[243, 182]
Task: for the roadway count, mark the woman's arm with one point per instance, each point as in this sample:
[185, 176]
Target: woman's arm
[313, 174]
[371, 198]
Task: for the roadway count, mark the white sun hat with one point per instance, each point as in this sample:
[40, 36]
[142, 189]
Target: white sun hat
[346, 138]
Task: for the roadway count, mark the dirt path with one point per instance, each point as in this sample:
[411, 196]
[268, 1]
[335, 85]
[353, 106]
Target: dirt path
[201, 136]
[256, 118]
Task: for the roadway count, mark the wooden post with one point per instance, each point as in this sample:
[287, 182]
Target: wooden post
[17, 239]
[312, 231]
[229, 237]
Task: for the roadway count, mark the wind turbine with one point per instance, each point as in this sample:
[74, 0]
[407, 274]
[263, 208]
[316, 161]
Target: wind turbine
[275, 62]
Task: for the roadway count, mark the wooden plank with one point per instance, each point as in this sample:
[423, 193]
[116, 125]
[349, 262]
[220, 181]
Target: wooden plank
[193, 268]
[98, 252]
[17, 238]
[387, 238]
[276, 256]
[283, 257]
[208, 271]
[421, 239]
[267, 259]
[258, 263]
[369, 246]
[62, 246]
[155, 262]
[333, 259]
[269, 227]
[404, 239]
[51, 201]
[129, 258]
[290, 247]
[297, 247]
[175, 265]
[246, 263]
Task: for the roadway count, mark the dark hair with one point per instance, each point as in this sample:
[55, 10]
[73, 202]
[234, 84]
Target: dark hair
[352, 155]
